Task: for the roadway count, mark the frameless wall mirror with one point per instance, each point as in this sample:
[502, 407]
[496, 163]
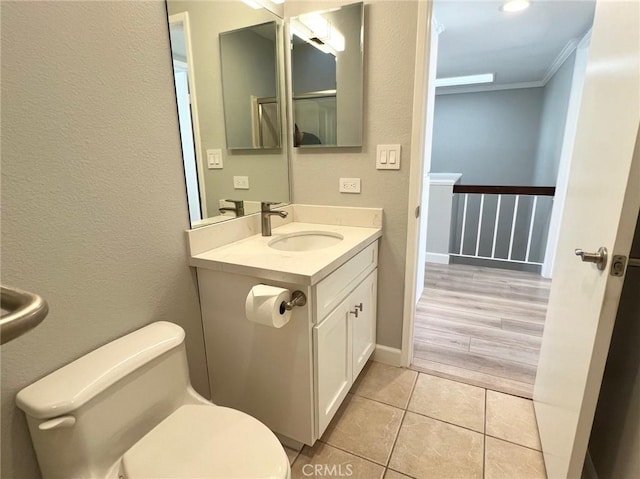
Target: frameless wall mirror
[228, 62]
[327, 77]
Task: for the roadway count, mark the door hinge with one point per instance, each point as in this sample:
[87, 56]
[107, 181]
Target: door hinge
[418, 211]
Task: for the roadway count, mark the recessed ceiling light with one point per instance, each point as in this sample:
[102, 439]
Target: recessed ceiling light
[515, 5]
[465, 80]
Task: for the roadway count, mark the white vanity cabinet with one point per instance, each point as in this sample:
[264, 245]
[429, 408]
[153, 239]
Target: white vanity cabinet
[343, 342]
[292, 378]
[345, 337]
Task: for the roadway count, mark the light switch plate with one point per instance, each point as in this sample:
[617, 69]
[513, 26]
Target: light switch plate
[349, 185]
[388, 157]
[214, 159]
[241, 182]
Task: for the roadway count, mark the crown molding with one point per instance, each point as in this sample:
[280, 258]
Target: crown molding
[453, 90]
[585, 41]
[565, 53]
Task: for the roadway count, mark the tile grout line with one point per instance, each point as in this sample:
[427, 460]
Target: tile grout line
[513, 443]
[395, 440]
[379, 402]
[426, 415]
[352, 453]
[404, 414]
[484, 438]
[443, 421]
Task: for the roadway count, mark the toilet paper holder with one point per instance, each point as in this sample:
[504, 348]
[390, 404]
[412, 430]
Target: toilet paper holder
[298, 298]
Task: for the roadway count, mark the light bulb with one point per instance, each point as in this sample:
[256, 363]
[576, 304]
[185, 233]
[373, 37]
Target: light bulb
[515, 5]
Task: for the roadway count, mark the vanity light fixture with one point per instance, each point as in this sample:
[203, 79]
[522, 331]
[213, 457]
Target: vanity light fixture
[515, 5]
[301, 31]
[466, 80]
[319, 32]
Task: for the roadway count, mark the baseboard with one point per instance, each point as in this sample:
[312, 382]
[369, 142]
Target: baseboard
[439, 258]
[387, 355]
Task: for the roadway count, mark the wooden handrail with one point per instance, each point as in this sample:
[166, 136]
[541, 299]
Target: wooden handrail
[506, 190]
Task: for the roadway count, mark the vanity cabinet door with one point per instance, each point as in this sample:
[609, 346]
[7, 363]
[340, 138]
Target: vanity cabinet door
[363, 326]
[331, 342]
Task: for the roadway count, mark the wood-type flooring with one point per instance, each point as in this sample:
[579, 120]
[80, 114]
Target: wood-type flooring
[481, 326]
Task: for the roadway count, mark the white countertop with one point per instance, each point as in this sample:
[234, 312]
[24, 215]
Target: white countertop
[253, 257]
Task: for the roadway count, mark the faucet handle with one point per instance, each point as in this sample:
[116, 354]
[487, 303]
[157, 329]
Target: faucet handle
[236, 203]
[266, 205]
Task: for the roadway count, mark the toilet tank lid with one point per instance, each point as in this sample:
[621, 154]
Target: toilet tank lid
[71, 386]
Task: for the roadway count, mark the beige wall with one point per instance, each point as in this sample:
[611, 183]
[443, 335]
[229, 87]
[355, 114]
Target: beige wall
[93, 197]
[389, 58]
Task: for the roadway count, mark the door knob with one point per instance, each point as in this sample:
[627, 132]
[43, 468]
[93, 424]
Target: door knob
[599, 258]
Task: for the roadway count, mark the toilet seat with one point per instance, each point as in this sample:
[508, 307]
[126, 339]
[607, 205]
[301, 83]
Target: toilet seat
[201, 441]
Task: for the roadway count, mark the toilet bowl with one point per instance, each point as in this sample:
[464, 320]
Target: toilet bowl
[127, 410]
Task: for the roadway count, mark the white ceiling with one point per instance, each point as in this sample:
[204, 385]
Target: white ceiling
[518, 47]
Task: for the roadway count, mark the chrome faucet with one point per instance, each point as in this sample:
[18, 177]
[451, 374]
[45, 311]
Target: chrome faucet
[237, 208]
[266, 214]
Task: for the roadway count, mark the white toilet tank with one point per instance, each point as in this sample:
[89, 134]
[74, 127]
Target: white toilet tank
[84, 416]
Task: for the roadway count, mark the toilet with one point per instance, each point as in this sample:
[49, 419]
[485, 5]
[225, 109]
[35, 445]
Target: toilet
[127, 410]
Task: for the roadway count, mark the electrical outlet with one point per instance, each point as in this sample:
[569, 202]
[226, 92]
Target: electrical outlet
[349, 185]
[241, 182]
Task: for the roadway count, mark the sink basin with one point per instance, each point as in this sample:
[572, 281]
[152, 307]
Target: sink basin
[305, 241]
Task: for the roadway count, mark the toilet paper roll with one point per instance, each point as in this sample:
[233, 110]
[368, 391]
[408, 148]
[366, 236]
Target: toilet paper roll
[264, 305]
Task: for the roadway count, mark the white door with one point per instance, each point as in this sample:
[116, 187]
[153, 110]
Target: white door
[180, 34]
[362, 316]
[436, 29]
[601, 209]
[181, 80]
[332, 346]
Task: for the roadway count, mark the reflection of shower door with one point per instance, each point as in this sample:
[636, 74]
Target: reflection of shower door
[316, 113]
[265, 124]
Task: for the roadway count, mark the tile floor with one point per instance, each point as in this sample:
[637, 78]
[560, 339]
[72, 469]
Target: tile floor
[397, 424]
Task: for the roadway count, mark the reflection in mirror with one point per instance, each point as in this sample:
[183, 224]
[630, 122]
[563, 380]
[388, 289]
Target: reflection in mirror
[224, 182]
[250, 86]
[327, 77]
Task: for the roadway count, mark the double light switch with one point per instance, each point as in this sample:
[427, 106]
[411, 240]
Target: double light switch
[388, 157]
[214, 159]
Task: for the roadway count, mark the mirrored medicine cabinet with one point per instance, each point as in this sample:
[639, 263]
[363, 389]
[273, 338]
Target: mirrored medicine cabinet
[327, 77]
[228, 62]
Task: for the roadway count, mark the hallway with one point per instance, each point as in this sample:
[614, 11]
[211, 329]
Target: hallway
[481, 326]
